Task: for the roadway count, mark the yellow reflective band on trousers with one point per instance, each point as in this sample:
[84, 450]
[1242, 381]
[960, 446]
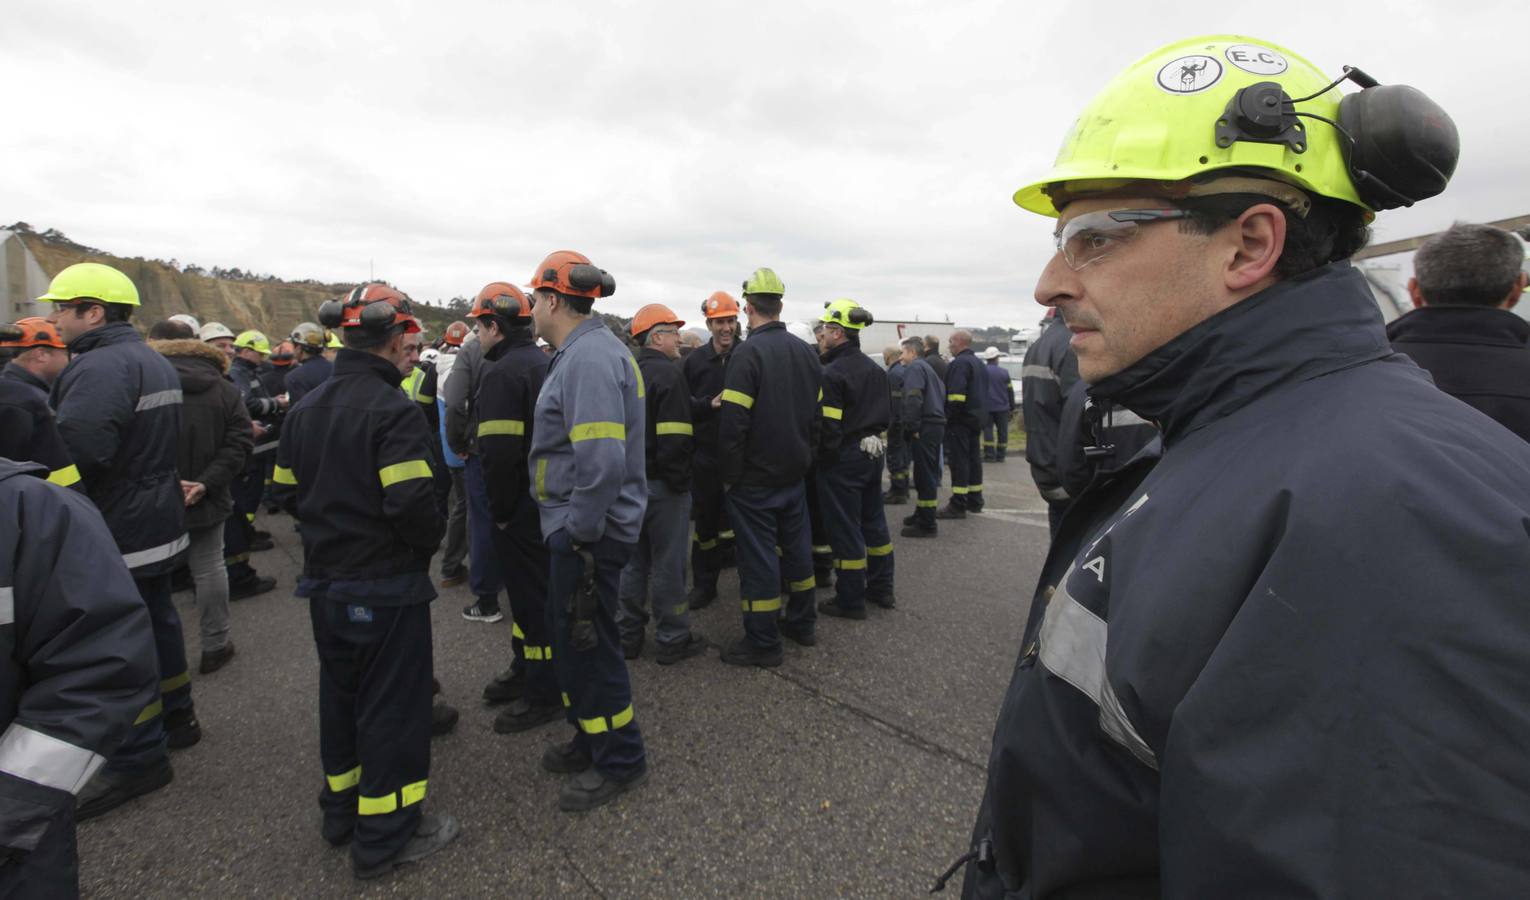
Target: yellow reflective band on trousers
[283, 475]
[65, 477]
[739, 397]
[537, 654]
[606, 723]
[833, 412]
[150, 711]
[566, 703]
[249, 517]
[542, 479]
[805, 584]
[706, 545]
[493, 427]
[851, 564]
[673, 428]
[725, 535]
[408, 795]
[344, 781]
[974, 488]
[761, 606]
[591, 431]
[884, 550]
[956, 489]
[956, 398]
[927, 504]
[178, 681]
[515, 630]
[404, 471]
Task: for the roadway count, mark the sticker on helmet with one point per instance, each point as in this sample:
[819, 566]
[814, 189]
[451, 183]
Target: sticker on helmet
[1190, 74]
[1256, 60]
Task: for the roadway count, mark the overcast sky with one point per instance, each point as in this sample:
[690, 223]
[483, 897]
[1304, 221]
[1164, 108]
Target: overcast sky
[865, 150]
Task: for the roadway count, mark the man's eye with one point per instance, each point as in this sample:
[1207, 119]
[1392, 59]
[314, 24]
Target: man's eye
[1094, 240]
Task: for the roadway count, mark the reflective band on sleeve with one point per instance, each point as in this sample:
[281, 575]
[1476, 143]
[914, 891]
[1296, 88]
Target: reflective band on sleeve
[674, 428]
[638, 373]
[805, 584]
[493, 427]
[381, 806]
[606, 723]
[956, 398]
[149, 712]
[427, 399]
[762, 606]
[914, 392]
[46, 760]
[1073, 648]
[537, 654]
[156, 554]
[158, 399]
[249, 517]
[167, 685]
[7, 605]
[66, 476]
[851, 564]
[833, 412]
[590, 431]
[283, 475]
[884, 550]
[404, 471]
[344, 781]
[739, 397]
[927, 504]
[542, 479]
[515, 630]
[823, 548]
[1042, 372]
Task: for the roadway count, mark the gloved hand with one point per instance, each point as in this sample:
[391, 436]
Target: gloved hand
[873, 445]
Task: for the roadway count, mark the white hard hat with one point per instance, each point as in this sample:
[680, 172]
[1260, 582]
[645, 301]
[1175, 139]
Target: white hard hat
[992, 353]
[187, 320]
[216, 330]
[429, 354]
[803, 331]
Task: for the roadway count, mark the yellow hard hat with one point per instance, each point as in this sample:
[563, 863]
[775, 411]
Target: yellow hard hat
[253, 340]
[845, 313]
[764, 281]
[91, 281]
[1166, 119]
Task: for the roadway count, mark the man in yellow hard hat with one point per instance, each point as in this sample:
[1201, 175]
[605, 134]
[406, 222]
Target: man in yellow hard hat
[119, 411]
[1279, 652]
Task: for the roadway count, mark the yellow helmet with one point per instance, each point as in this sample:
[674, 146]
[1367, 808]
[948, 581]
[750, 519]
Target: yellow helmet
[91, 281]
[253, 340]
[846, 314]
[764, 281]
[1226, 102]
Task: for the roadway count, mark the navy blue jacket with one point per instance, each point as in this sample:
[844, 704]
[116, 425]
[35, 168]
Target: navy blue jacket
[1314, 682]
[306, 376]
[119, 411]
[966, 392]
[770, 416]
[895, 393]
[705, 370]
[924, 396]
[1001, 389]
[1476, 354]
[856, 401]
[27, 430]
[510, 378]
[1047, 377]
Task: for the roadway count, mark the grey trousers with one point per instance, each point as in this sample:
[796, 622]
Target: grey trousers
[656, 569]
[456, 527]
[210, 575]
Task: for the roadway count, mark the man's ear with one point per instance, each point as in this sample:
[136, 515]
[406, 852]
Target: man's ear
[1416, 295]
[1518, 291]
[1258, 237]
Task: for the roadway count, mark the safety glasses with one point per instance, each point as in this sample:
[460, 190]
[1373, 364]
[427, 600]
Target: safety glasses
[1091, 237]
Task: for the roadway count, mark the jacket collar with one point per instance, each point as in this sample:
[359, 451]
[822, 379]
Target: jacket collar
[243, 364]
[711, 352]
[314, 359]
[110, 333]
[351, 362]
[650, 353]
[1462, 325]
[845, 349]
[508, 344]
[1302, 328]
[17, 373]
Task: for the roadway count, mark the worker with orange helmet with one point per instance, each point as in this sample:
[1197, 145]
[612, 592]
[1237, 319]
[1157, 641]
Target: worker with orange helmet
[33, 355]
[357, 454]
[703, 371]
[456, 333]
[588, 473]
[655, 576]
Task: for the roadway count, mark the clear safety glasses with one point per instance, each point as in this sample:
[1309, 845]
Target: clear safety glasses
[1091, 237]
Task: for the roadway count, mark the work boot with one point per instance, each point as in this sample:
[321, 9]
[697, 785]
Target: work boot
[693, 645]
[805, 637]
[252, 587]
[213, 660]
[506, 686]
[951, 511]
[727, 558]
[700, 598]
[743, 653]
[482, 612]
[915, 530]
[632, 645]
[260, 534]
[109, 790]
[590, 789]
[453, 580]
[888, 602]
[895, 498]
[830, 608]
[523, 715]
[443, 718]
[182, 729]
[566, 759]
[434, 833]
[338, 832]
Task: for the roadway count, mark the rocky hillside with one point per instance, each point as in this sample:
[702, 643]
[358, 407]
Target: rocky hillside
[267, 304]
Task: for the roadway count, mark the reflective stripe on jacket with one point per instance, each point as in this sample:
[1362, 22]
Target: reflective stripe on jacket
[966, 385]
[770, 410]
[511, 377]
[669, 436]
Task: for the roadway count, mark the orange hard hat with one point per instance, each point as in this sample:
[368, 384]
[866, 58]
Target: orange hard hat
[373, 307]
[720, 305]
[571, 273]
[30, 332]
[456, 333]
[501, 298]
[654, 314]
[282, 354]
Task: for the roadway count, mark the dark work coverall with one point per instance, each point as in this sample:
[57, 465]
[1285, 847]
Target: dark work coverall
[855, 406]
[899, 456]
[704, 371]
[924, 424]
[966, 409]
[1001, 402]
[356, 454]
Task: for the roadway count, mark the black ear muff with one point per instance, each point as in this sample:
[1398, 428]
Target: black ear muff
[330, 314]
[859, 316]
[1404, 146]
[607, 284]
[377, 316]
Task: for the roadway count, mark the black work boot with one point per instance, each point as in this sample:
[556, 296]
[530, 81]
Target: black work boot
[109, 790]
[434, 833]
[443, 718]
[916, 530]
[590, 789]
[632, 645]
[182, 729]
[951, 511]
[805, 637]
[566, 759]
[693, 645]
[701, 597]
[895, 497]
[506, 686]
[830, 608]
[743, 653]
[523, 715]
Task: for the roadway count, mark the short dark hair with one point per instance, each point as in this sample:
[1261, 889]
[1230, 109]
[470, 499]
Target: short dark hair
[765, 304]
[358, 338]
[1468, 265]
[168, 330]
[916, 343]
[1332, 230]
[580, 305]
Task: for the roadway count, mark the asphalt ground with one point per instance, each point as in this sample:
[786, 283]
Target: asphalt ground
[852, 770]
